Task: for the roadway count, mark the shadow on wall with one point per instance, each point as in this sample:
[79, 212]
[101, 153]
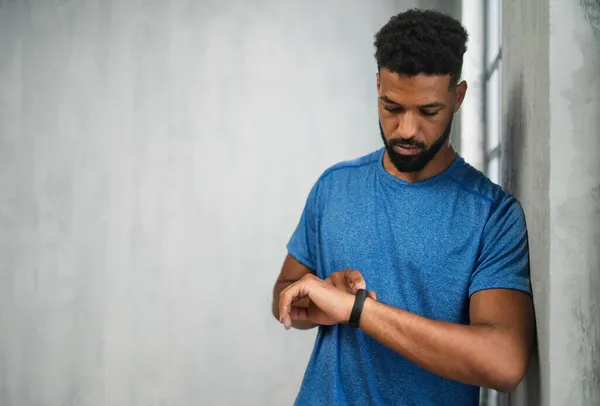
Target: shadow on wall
[514, 155]
[513, 144]
[592, 12]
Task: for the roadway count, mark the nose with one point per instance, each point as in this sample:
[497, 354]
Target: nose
[407, 125]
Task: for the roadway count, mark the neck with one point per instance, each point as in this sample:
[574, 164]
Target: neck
[437, 165]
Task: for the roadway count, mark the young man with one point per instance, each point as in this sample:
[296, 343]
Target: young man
[441, 249]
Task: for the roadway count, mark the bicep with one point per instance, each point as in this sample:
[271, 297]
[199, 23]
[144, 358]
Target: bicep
[510, 311]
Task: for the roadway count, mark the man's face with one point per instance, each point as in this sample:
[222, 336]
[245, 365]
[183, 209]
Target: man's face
[415, 116]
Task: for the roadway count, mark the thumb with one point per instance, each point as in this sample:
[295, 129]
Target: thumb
[372, 295]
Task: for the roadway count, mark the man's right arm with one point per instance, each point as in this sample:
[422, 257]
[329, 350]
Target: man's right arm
[292, 271]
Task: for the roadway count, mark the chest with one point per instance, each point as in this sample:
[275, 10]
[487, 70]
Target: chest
[417, 251]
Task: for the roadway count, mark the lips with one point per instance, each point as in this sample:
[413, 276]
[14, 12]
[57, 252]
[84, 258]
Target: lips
[407, 149]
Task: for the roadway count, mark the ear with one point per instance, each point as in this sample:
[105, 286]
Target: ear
[378, 82]
[460, 93]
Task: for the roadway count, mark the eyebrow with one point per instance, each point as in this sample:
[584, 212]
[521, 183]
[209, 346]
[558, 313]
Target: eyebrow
[425, 106]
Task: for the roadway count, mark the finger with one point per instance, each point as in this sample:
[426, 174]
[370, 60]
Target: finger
[289, 295]
[331, 278]
[306, 314]
[299, 313]
[292, 293]
[372, 295]
[317, 316]
[337, 279]
[355, 280]
[303, 302]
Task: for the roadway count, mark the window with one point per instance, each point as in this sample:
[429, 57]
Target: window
[492, 88]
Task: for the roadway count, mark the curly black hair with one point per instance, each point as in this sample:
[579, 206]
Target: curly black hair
[422, 42]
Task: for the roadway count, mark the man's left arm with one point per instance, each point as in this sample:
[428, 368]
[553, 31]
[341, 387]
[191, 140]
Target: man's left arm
[493, 351]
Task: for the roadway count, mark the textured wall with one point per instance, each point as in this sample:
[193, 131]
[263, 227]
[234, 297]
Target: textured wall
[526, 161]
[154, 158]
[551, 93]
[575, 202]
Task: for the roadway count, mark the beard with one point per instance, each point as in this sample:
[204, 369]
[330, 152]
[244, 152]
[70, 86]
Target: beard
[418, 162]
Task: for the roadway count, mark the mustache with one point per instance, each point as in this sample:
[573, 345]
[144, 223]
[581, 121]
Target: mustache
[406, 142]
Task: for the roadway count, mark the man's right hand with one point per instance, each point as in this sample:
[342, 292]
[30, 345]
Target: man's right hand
[348, 280]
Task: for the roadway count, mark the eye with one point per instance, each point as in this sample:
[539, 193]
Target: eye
[427, 113]
[393, 109]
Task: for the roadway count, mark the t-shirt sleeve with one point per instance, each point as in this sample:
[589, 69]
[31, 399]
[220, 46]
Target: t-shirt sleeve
[503, 261]
[302, 244]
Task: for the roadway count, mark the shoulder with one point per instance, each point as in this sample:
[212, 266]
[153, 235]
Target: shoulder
[340, 175]
[345, 177]
[475, 183]
[350, 168]
[501, 205]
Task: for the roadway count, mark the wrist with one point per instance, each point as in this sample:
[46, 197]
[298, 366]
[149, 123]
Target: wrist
[367, 311]
[348, 304]
[357, 308]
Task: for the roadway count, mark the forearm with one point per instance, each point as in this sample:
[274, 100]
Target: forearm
[480, 355]
[297, 324]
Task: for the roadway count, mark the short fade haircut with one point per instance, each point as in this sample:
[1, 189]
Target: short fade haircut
[422, 42]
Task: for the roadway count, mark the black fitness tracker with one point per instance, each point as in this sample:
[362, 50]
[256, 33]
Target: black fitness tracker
[359, 303]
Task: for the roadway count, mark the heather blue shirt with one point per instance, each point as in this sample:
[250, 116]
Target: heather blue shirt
[424, 247]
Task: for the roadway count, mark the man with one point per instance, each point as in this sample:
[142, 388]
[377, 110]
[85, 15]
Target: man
[442, 250]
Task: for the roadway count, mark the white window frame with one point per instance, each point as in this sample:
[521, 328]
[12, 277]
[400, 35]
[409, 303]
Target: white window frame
[492, 140]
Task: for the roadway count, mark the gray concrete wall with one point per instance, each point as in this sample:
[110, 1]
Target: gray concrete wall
[154, 159]
[575, 202]
[551, 92]
[525, 162]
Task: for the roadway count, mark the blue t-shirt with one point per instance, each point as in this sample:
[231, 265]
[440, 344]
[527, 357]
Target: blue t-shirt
[424, 247]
